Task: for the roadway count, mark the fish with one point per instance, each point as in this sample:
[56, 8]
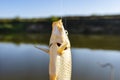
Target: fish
[60, 63]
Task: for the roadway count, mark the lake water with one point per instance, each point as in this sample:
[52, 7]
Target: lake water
[93, 57]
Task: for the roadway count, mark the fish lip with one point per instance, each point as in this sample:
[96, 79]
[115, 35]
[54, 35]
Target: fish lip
[57, 27]
[58, 24]
[58, 31]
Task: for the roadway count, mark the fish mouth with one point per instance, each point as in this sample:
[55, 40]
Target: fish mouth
[58, 24]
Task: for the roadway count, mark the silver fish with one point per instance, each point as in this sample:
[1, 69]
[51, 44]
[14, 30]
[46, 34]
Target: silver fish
[60, 64]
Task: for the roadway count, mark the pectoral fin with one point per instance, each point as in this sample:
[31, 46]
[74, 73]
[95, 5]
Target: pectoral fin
[43, 49]
[62, 48]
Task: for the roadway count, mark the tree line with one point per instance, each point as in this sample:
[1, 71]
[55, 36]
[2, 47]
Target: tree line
[94, 24]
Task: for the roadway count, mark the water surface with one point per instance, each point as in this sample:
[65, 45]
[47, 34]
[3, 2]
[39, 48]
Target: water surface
[24, 62]
[108, 42]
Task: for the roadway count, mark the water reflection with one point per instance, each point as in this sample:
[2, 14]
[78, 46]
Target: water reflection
[25, 62]
[22, 62]
[89, 69]
[81, 41]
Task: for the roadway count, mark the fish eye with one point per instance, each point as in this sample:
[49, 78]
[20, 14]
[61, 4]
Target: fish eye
[58, 44]
[66, 32]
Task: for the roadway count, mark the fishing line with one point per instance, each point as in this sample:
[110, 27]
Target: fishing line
[62, 12]
[65, 22]
[61, 5]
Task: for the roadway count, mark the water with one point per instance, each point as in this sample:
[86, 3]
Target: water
[20, 60]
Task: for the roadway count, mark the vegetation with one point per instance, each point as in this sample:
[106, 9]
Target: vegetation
[94, 24]
[90, 41]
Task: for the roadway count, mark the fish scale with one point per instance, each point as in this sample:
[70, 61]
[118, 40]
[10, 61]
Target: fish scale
[63, 63]
[65, 67]
[60, 64]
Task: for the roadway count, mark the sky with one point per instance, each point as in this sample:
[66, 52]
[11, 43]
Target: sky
[47, 8]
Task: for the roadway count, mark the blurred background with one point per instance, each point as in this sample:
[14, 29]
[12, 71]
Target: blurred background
[94, 33]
